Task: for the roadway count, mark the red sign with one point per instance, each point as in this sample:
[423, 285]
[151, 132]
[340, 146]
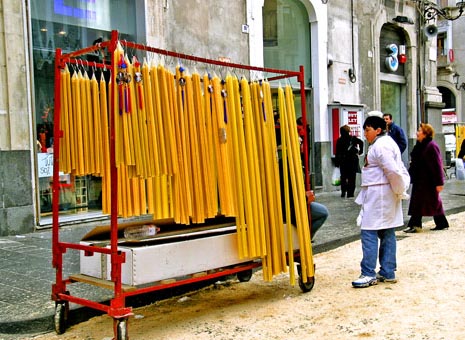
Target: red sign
[352, 117]
[451, 55]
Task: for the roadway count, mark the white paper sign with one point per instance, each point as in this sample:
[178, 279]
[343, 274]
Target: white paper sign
[45, 164]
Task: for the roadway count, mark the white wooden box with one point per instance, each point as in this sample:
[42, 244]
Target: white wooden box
[151, 263]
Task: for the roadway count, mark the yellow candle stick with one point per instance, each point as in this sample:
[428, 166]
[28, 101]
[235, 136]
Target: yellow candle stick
[65, 157]
[97, 148]
[152, 146]
[195, 170]
[274, 174]
[150, 196]
[135, 134]
[158, 121]
[212, 191]
[243, 203]
[263, 184]
[165, 80]
[221, 145]
[185, 188]
[121, 192]
[134, 195]
[284, 141]
[84, 118]
[165, 196]
[139, 109]
[106, 188]
[89, 127]
[259, 125]
[142, 196]
[252, 157]
[71, 122]
[124, 142]
[307, 262]
[204, 147]
[78, 142]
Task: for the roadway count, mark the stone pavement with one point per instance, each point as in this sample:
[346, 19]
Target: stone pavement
[26, 273]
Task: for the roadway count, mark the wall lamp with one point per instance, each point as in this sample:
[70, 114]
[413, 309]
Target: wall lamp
[431, 10]
[456, 77]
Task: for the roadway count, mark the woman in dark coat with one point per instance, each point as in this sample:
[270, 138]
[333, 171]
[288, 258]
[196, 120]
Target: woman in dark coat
[347, 150]
[427, 177]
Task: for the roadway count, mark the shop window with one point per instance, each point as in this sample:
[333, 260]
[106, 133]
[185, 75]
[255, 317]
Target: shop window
[69, 25]
[286, 36]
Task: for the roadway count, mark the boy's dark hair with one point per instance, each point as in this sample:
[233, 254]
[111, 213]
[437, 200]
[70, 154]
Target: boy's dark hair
[375, 122]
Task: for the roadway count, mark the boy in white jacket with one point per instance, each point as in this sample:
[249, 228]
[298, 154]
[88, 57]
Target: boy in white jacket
[385, 181]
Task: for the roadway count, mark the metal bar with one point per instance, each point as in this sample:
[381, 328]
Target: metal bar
[87, 63]
[57, 254]
[87, 248]
[84, 302]
[301, 79]
[193, 279]
[87, 50]
[207, 61]
[116, 257]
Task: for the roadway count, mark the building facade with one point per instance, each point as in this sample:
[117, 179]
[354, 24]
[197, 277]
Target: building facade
[358, 56]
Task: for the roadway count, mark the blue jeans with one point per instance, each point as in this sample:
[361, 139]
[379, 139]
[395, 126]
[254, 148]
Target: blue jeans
[386, 253]
[319, 214]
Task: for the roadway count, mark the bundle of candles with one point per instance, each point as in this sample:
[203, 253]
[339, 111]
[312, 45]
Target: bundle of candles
[189, 148]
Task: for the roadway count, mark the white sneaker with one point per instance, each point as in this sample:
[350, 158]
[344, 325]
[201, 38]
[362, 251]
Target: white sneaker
[364, 281]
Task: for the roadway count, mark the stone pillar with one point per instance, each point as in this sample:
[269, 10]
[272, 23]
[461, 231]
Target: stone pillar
[433, 112]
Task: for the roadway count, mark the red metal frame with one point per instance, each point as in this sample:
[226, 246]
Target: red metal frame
[117, 308]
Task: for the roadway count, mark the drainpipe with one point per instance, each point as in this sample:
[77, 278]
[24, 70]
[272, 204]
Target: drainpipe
[352, 76]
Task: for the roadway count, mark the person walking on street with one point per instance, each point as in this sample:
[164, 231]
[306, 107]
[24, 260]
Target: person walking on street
[396, 132]
[348, 148]
[427, 176]
[385, 181]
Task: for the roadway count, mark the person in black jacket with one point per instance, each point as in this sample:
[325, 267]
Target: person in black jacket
[396, 132]
[348, 148]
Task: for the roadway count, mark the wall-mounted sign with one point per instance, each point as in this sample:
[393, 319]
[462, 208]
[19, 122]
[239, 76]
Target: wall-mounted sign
[392, 61]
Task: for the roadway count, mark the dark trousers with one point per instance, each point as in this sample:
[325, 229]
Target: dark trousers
[439, 220]
[348, 183]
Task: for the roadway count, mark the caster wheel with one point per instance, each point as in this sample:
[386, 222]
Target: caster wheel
[61, 311]
[244, 276]
[122, 329]
[305, 286]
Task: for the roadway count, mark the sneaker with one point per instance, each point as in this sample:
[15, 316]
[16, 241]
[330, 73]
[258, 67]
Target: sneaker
[381, 278]
[364, 281]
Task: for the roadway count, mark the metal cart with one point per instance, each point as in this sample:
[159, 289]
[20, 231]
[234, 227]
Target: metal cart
[112, 250]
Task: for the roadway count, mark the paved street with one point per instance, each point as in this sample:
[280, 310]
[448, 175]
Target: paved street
[26, 274]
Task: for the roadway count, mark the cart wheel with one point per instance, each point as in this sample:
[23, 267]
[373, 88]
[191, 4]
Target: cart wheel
[61, 309]
[244, 276]
[305, 286]
[122, 329]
